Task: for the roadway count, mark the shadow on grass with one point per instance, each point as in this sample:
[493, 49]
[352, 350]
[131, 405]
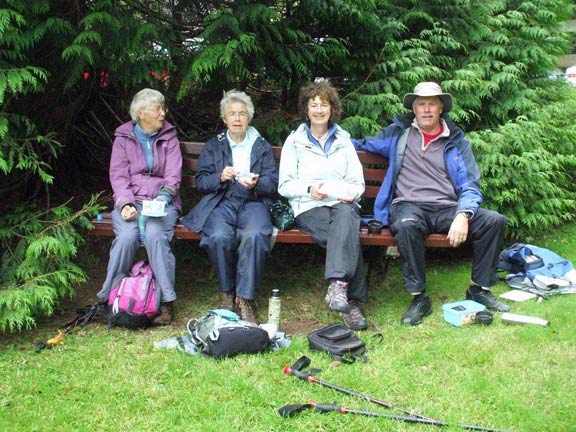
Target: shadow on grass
[296, 270]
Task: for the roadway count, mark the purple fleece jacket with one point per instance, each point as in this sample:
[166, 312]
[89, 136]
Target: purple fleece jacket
[129, 174]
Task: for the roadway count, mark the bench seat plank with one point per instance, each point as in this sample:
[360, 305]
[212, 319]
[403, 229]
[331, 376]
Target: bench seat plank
[385, 238]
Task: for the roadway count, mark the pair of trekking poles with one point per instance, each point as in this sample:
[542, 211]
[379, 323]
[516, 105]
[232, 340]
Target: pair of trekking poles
[298, 370]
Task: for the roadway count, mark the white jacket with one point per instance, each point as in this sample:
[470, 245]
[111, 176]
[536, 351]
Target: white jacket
[304, 164]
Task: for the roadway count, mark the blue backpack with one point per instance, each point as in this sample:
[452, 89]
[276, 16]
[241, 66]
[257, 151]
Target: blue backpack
[537, 270]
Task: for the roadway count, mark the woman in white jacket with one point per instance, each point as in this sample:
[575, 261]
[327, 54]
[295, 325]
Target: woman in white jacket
[321, 176]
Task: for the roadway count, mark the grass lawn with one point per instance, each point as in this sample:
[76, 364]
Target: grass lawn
[508, 377]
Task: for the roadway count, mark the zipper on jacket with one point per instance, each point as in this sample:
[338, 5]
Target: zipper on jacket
[149, 148]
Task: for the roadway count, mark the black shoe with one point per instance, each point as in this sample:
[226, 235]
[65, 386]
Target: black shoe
[420, 307]
[487, 299]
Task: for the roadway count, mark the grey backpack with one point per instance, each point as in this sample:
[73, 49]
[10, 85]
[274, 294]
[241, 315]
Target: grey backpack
[221, 333]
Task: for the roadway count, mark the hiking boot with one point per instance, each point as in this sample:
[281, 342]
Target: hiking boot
[337, 297]
[166, 314]
[486, 298]
[245, 309]
[354, 318]
[420, 307]
[227, 300]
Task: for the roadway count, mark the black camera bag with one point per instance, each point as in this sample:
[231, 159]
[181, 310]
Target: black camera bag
[339, 341]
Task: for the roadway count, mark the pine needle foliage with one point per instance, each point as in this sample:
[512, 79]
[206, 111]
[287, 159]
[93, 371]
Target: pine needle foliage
[492, 56]
[38, 270]
[115, 39]
[248, 40]
[37, 246]
[21, 147]
[529, 168]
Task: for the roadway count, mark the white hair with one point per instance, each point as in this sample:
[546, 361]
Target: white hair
[236, 96]
[143, 99]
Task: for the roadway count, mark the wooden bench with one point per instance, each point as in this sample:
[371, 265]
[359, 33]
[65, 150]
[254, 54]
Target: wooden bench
[374, 171]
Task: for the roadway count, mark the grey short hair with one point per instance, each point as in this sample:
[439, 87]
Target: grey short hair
[143, 99]
[236, 96]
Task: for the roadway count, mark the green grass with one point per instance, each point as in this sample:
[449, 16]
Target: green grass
[519, 378]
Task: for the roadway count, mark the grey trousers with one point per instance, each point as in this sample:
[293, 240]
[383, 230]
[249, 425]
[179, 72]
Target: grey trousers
[337, 229]
[411, 224]
[159, 233]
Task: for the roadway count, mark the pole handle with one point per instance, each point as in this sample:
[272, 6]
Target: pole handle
[327, 408]
[288, 370]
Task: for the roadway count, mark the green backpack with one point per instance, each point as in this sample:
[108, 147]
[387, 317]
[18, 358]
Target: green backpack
[282, 215]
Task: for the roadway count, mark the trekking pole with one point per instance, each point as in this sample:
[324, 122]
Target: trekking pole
[303, 362]
[83, 318]
[293, 409]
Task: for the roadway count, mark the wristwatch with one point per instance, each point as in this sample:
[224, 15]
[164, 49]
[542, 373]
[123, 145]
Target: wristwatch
[309, 189]
[466, 214]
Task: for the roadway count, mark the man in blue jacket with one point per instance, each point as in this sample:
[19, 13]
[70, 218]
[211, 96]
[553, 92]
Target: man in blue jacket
[432, 186]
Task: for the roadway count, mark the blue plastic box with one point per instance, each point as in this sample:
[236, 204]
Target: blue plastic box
[462, 312]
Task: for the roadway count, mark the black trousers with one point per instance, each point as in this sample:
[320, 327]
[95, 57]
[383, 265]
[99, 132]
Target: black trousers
[411, 224]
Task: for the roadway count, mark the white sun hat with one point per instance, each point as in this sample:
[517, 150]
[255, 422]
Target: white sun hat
[427, 89]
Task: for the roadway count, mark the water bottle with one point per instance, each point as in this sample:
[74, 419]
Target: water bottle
[274, 307]
[141, 228]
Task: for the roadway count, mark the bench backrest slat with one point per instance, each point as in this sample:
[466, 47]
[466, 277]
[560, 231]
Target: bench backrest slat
[188, 181]
[374, 174]
[191, 148]
[189, 164]
[374, 166]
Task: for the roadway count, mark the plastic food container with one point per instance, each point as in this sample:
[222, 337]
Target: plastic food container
[462, 312]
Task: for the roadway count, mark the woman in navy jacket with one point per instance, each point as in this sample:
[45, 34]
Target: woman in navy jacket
[238, 176]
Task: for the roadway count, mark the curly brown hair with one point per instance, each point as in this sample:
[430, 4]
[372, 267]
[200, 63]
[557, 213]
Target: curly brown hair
[327, 93]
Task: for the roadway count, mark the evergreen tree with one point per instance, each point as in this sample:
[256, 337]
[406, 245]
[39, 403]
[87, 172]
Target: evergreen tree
[68, 71]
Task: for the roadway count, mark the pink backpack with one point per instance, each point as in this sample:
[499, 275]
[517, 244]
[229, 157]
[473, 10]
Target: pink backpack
[134, 302]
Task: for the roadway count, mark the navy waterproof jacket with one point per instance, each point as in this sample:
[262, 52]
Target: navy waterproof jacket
[460, 165]
[216, 155]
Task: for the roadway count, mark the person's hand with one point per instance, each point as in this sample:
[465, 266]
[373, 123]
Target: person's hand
[249, 184]
[316, 193]
[458, 230]
[228, 173]
[348, 200]
[128, 213]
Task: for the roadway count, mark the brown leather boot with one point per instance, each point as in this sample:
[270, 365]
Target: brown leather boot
[245, 309]
[227, 300]
[166, 314]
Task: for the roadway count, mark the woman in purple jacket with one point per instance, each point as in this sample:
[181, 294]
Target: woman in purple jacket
[146, 164]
